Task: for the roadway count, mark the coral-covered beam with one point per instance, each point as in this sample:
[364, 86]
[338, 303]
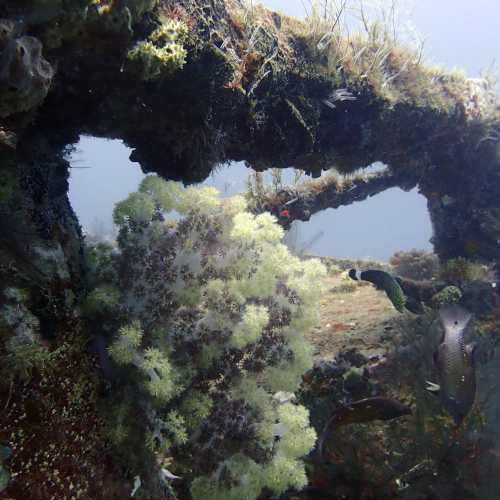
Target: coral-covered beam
[308, 198]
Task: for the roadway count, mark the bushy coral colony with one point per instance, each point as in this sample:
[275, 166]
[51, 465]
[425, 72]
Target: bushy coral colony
[213, 311]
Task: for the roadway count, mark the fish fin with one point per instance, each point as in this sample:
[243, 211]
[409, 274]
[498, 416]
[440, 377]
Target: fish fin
[435, 355]
[432, 387]
[470, 349]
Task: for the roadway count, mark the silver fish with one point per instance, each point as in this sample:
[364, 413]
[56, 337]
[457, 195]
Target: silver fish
[455, 364]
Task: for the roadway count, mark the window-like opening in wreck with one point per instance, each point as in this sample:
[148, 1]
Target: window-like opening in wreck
[101, 175]
[375, 228]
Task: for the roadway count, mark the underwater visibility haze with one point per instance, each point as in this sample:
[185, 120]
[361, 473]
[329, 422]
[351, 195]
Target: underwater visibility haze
[249, 252]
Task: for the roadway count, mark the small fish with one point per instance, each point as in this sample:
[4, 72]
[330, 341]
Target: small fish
[137, 485]
[166, 475]
[455, 364]
[383, 281]
[364, 410]
[7, 138]
[422, 469]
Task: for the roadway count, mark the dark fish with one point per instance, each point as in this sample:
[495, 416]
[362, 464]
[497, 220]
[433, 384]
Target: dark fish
[454, 361]
[364, 410]
[383, 281]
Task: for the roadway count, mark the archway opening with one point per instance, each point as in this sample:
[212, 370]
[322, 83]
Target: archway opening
[374, 229]
[103, 174]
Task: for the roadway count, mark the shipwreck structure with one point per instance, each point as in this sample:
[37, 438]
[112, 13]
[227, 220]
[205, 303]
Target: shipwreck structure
[192, 84]
[189, 85]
